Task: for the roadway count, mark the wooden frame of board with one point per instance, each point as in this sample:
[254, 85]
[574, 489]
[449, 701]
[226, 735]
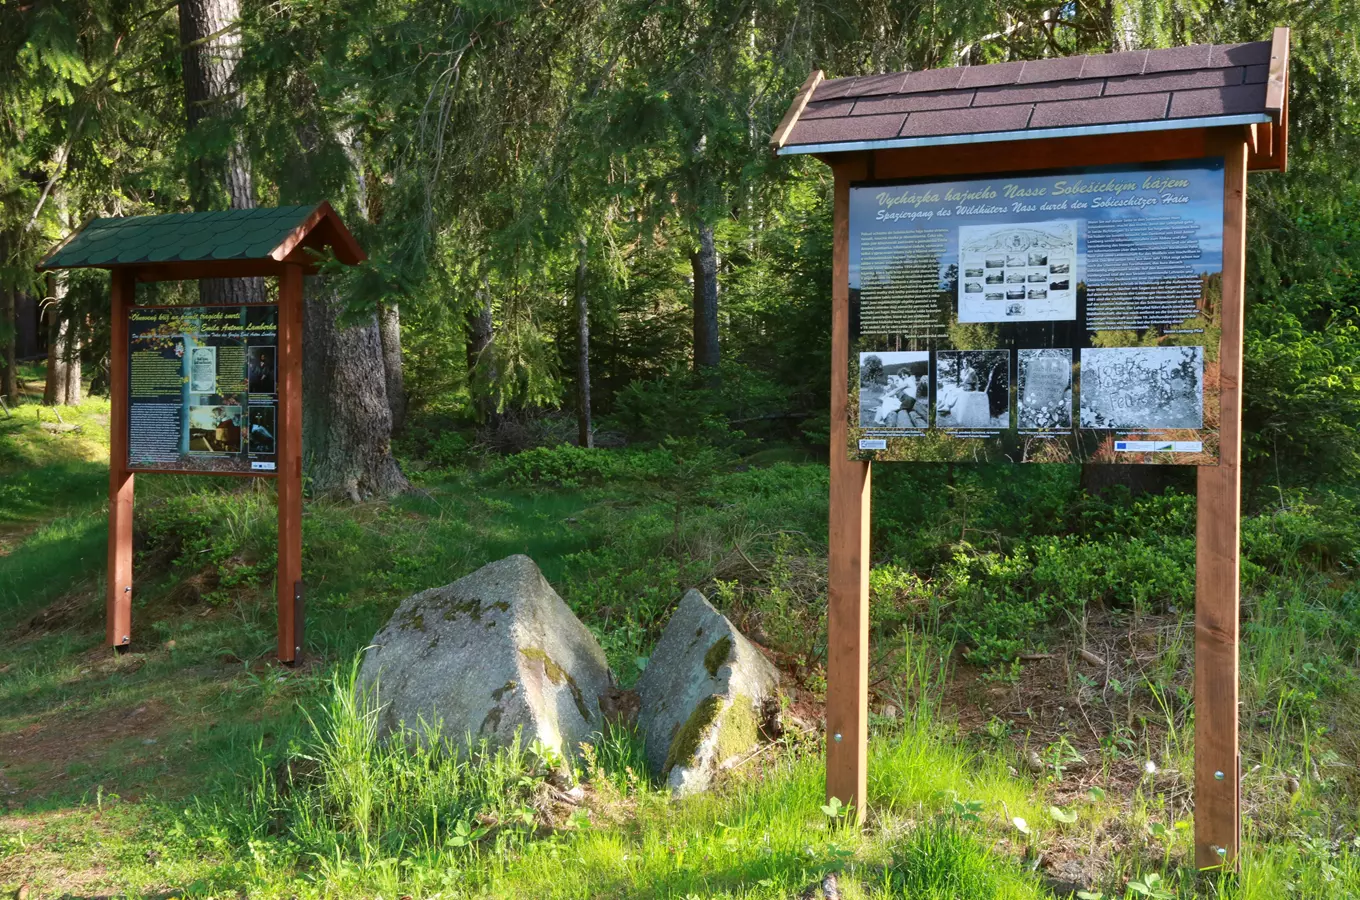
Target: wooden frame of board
[1216, 591]
[290, 253]
[873, 129]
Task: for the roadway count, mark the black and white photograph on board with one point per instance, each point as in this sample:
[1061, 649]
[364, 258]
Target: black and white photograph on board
[1044, 389]
[973, 389]
[1142, 387]
[894, 389]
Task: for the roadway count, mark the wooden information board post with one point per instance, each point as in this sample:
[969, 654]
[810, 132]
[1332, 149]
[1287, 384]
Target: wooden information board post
[286, 243]
[1222, 108]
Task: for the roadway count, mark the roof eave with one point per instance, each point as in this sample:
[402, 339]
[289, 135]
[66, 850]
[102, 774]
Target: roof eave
[944, 140]
[1277, 95]
[800, 102]
[326, 224]
[44, 263]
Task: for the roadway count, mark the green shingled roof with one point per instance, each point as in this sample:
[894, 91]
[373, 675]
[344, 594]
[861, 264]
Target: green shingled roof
[238, 234]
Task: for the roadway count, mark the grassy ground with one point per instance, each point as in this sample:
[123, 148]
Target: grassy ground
[1005, 763]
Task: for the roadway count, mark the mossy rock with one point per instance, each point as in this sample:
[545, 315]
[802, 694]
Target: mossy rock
[724, 730]
[701, 696]
[495, 654]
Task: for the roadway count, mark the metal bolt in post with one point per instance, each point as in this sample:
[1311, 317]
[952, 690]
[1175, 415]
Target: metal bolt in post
[1218, 776]
[836, 737]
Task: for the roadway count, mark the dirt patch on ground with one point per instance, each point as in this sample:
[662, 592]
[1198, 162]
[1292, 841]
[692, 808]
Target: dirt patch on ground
[1091, 713]
[78, 609]
[44, 750]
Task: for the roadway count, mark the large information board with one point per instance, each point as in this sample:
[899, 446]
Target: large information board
[1068, 316]
[203, 388]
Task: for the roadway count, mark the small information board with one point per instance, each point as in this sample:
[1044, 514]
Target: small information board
[203, 388]
[1067, 316]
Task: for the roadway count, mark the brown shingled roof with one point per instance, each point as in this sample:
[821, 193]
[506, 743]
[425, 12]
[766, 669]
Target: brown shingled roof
[1140, 90]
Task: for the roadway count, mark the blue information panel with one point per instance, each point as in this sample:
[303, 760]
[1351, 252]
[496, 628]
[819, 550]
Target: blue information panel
[1068, 317]
[203, 388]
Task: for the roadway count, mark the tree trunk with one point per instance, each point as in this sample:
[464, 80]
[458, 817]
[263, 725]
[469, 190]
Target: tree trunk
[54, 390]
[585, 435]
[75, 375]
[481, 366]
[704, 262]
[63, 347]
[389, 329]
[11, 332]
[211, 50]
[346, 420]
[9, 329]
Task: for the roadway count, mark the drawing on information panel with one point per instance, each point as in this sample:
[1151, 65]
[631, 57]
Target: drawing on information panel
[1018, 273]
[262, 429]
[1044, 384]
[1142, 387]
[974, 389]
[260, 370]
[894, 390]
[203, 370]
[215, 429]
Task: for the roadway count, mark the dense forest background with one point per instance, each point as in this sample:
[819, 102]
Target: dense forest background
[570, 207]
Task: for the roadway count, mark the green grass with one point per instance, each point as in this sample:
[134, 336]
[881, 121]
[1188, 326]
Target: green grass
[193, 767]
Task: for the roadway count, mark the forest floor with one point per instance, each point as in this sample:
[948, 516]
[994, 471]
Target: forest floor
[1047, 755]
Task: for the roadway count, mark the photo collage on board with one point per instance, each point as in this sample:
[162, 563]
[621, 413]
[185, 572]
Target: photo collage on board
[1059, 317]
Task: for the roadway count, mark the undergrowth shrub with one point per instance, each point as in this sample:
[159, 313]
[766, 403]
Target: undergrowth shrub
[565, 465]
[996, 603]
[736, 411]
[228, 535]
[1299, 536]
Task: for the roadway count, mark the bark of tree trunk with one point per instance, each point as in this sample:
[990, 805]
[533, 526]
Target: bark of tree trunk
[346, 420]
[11, 373]
[346, 417]
[585, 433]
[704, 262]
[481, 367]
[63, 385]
[9, 328]
[211, 50]
[389, 328]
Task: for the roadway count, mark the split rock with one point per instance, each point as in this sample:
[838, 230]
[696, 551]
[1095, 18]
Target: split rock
[701, 696]
[496, 651]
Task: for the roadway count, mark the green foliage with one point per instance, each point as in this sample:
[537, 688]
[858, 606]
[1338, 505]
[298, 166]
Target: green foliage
[681, 404]
[288, 791]
[227, 534]
[565, 465]
[941, 861]
[340, 793]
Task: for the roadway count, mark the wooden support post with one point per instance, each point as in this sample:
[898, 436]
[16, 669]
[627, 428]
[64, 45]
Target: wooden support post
[118, 600]
[1217, 764]
[847, 655]
[289, 479]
